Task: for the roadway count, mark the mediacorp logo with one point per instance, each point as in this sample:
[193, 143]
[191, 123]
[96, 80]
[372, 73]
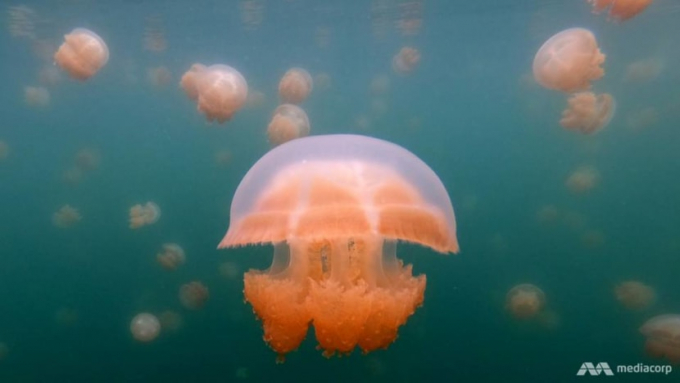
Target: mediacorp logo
[603, 368]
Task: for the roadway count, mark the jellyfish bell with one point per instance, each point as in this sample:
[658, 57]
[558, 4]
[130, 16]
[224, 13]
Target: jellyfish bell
[525, 301]
[334, 207]
[142, 215]
[288, 122]
[635, 295]
[193, 295]
[569, 61]
[222, 91]
[663, 337]
[295, 86]
[82, 54]
[620, 10]
[583, 179]
[171, 257]
[587, 112]
[145, 327]
[406, 60]
[189, 80]
[66, 217]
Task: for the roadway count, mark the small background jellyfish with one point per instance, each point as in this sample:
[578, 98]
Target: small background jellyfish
[4, 150]
[147, 214]
[569, 61]
[159, 76]
[635, 295]
[583, 179]
[171, 321]
[525, 301]
[82, 54]
[406, 60]
[663, 337]
[295, 86]
[154, 34]
[193, 295]
[643, 71]
[66, 217]
[620, 10]
[288, 122]
[171, 257]
[145, 327]
[4, 351]
[36, 96]
[587, 112]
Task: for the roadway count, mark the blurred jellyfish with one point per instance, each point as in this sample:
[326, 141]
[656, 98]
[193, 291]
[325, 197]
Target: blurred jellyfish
[170, 320]
[82, 54]
[323, 81]
[643, 70]
[73, 175]
[144, 215]
[154, 34]
[411, 18]
[569, 61]
[223, 157]
[4, 150]
[380, 85]
[362, 123]
[87, 159]
[642, 118]
[549, 319]
[171, 257]
[379, 107]
[251, 13]
[587, 112]
[593, 239]
[222, 91]
[36, 96]
[159, 76]
[189, 81]
[49, 75]
[230, 270]
[635, 295]
[145, 327]
[21, 21]
[67, 216]
[663, 337]
[334, 207]
[241, 373]
[547, 214]
[4, 350]
[193, 295]
[620, 10]
[406, 60]
[524, 301]
[288, 122]
[66, 316]
[295, 86]
[322, 36]
[583, 179]
[255, 99]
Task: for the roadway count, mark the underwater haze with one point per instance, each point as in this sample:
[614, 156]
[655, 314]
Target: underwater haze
[585, 215]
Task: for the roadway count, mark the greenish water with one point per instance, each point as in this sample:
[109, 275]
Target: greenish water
[470, 110]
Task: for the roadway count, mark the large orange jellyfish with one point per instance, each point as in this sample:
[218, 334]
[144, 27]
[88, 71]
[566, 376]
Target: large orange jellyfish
[587, 112]
[334, 207]
[295, 86]
[524, 301]
[189, 81]
[222, 91]
[288, 122]
[82, 54]
[620, 10]
[663, 337]
[569, 61]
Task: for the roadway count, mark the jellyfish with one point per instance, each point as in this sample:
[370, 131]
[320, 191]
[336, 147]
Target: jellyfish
[4, 150]
[144, 215]
[67, 216]
[145, 327]
[49, 75]
[334, 208]
[193, 295]
[36, 96]
[524, 301]
[323, 81]
[548, 214]
[635, 295]
[229, 270]
[82, 54]
[642, 71]
[4, 350]
[66, 316]
[170, 320]
[171, 257]
[583, 179]
[663, 337]
[87, 159]
[406, 60]
[255, 99]
[288, 122]
[159, 76]
[569, 61]
[189, 80]
[73, 175]
[222, 91]
[295, 86]
[223, 157]
[642, 118]
[620, 10]
[380, 85]
[587, 112]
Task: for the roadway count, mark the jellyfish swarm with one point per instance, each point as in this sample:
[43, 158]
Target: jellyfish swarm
[221, 91]
[663, 337]
[587, 112]
[145, 327]
[524, 301]
[620, 10]
[334, 207]
[635, 295]
[288, 122]
[406, 60]
[82, 54]
[144, 215]
[295, 86]
[171, 257]
[569, 61]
